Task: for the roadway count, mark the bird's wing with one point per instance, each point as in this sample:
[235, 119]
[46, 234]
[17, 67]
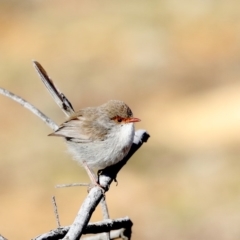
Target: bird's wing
[79, 129]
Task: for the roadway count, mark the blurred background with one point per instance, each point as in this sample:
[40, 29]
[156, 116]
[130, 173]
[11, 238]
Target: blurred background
[175, 63]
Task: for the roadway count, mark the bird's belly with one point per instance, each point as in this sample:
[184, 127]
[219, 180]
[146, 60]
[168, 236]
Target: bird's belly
[100, 154]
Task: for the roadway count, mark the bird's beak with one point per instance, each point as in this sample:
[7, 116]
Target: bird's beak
[129, 120]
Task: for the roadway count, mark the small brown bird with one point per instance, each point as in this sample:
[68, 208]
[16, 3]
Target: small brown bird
[97, 137]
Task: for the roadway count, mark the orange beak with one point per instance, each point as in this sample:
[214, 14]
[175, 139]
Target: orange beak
[129, 120]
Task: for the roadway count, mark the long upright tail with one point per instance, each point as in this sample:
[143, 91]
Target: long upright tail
[58, 97]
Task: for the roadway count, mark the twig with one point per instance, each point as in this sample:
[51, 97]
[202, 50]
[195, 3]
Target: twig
[72, 185]
[104, 207]
[56, 211]
[30, 107]
[102, 203]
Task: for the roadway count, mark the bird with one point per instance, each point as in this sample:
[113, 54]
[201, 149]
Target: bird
[97, 137]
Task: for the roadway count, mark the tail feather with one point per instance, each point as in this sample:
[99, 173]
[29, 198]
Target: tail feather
[58, 97]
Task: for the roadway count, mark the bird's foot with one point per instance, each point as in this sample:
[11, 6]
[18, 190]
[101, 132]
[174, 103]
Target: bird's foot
[95, 184]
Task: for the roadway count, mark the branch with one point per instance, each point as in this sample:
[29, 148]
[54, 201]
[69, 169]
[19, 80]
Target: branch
[2, 238]
[30, 107]
[105, 212]
[120, 233]
[92, 228]
[95, 195]
[56, 211]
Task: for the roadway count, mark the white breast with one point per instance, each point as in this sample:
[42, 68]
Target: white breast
[125, 135]
[121, 141]
[101, 154]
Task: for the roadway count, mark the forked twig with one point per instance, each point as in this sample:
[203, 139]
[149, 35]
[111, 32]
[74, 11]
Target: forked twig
[81, 223]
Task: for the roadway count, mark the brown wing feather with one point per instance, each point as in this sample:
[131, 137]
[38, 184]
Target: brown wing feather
[83, 129]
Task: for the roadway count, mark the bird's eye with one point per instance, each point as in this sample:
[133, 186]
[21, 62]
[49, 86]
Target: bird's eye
[117, 119]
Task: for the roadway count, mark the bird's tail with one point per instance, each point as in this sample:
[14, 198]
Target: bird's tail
[58, 97]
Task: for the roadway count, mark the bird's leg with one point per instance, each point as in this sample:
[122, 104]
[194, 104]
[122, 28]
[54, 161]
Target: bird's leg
[92, 175]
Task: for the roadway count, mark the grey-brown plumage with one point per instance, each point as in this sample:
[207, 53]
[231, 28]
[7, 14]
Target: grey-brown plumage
[99, 136]
[96, 136]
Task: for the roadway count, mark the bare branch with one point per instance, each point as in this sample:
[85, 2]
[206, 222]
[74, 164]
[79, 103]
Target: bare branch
[2, 238]
[96, 193]
[92, 228]
[104, 207]
[72, 185]
[30, 107]
[56, 211]
[120, 233]
[84, 213]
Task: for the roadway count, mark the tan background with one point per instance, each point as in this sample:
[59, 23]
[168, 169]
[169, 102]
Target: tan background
[176, 63]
